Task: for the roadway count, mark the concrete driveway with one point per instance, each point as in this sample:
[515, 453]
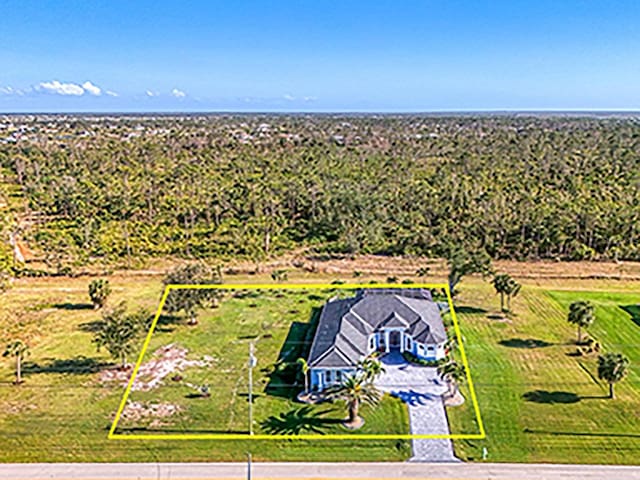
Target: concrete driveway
[421, 389]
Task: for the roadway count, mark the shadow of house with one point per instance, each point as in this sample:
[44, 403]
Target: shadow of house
[299, 420]
[77, 365]
[634, 312]
[285, 372]
[524, 343]
[543, 396]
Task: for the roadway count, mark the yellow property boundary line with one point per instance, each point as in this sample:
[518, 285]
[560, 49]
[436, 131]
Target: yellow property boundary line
[296, 286]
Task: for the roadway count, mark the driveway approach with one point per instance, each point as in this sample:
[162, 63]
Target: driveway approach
[421, 389]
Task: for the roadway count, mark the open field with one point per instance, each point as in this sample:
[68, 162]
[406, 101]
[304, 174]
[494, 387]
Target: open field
[280, 324]
[539, 404]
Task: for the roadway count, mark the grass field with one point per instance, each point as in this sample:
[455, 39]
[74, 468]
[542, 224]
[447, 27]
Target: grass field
[539, 403]
[280, 324]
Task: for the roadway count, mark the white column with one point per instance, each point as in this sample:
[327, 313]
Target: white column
[386, 341]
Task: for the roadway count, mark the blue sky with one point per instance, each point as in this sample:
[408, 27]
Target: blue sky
[319, 55]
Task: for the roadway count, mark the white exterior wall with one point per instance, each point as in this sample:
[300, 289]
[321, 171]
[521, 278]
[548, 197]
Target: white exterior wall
[421, 350]
[321, 378]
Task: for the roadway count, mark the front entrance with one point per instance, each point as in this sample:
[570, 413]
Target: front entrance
[394, 340]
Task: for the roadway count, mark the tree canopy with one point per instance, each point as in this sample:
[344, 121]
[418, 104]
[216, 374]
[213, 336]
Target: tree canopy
[124, 188]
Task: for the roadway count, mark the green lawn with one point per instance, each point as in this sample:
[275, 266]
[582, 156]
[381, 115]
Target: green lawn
[62, 412]
[281, 325]
[539, 403]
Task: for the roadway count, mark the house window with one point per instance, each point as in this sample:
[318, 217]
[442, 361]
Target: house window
[408, 343]
[339, 376]
[372, 343]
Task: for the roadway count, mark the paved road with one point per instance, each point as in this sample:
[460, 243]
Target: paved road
[200, 471]
[421, 389]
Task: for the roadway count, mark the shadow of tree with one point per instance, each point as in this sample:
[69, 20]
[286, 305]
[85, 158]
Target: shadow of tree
[91, 327]
[413, 398]
[73, 306]
[166, 323]
[470, 310]
[544, 396]
[75, 365]
[633, 311]
[525, 343]
[299, 420]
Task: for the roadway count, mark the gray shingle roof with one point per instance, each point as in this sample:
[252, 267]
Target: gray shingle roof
[345, 325]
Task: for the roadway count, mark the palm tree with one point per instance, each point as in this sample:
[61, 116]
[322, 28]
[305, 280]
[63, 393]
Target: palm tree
[453, 373]
[512, 291]
[371, 368]
[612, 367]
[581, 313]
[505, 285]
[304, 367]
[423, 272]
[99, 291]
[356, 391]
[19, 349]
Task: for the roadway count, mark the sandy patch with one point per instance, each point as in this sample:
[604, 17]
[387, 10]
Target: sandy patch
[134, 411]
[165, 361]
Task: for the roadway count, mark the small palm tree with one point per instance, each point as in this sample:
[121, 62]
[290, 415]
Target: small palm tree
[612, 367]
[371, 368]
[581, 313]
[17, 349]
[99, 291]
[453, 373]
[505, 285]
[356, 391]
[422, 272]
[304, 367]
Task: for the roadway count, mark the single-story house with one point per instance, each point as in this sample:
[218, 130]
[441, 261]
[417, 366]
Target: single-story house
[374, 320]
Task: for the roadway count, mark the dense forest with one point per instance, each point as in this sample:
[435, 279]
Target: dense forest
[221, 186]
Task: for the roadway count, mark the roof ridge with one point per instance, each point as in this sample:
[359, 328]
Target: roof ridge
[400, 298]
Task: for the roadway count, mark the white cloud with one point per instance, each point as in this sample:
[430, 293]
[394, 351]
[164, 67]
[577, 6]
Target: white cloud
[151, 94]
[91, 88]
[178, 93]
[111, 94]
[58, 88]
[288, 97]
[8, 90]
[310, 99]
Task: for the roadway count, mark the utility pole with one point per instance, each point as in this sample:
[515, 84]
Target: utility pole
[252, 363]
[248, 465]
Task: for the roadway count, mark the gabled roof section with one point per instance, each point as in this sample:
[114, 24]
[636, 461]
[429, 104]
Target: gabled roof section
[395, 320]
[345, 325]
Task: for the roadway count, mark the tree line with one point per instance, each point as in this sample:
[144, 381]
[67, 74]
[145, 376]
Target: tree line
[256, 186]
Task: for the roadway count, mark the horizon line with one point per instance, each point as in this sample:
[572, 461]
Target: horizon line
[331, 112]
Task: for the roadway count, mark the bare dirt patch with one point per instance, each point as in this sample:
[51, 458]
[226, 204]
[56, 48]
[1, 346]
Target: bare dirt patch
[136, 411]
[350, 266]
[164, 362]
